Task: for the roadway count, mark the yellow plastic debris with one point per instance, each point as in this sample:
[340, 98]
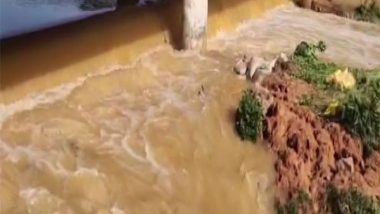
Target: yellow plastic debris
[344, 79]
[332, 108]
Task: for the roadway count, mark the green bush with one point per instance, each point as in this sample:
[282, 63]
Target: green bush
[350, 201]
[302, 199]
[375, 87]
[360, 114]
[315, 72]
[370, 13]
[310, 68]
[359, 108]
[249, 117]
[309, 50]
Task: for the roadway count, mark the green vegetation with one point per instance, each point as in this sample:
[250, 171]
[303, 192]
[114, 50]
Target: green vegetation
[249, 117]
[91, 5]
[369, 13]
[310, 68]
[317, 101]
[358, 109]
[360, 113]
[315, 71]
[309, 50]
[302, 199]
[350, 201]
[306, 100]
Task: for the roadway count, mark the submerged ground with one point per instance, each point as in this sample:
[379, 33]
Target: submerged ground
[157, 136]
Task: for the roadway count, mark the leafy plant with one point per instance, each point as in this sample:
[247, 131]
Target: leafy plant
[295, 204]
[315, 71]
[360, 114]
[249, 117]
[310, 68]
[350, 201]
[359, 108]
[368, 13]
[375, 87]
[321, 102]
[309, 50]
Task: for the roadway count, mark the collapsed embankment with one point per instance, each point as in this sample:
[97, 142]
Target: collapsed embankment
[323, 125]
[323, 164]
[313, 153]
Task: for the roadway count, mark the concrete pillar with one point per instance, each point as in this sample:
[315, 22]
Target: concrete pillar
[195, 24]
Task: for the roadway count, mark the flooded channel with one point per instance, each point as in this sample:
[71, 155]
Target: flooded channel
[157, 136]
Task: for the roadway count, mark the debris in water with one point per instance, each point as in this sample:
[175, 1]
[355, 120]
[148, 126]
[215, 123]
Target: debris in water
[344, 79]
[255, 67]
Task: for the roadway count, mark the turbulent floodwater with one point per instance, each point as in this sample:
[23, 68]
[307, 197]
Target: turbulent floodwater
[157, 136]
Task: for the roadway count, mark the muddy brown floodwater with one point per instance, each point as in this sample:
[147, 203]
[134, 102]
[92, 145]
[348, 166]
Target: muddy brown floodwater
[157, 136]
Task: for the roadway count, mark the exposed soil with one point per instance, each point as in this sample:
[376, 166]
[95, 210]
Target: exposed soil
[339, 7]
[325, 6]
[311, 152]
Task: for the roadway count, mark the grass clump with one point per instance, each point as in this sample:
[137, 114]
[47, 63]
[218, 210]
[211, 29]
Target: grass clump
[306, 100]
[360, 114]
[301, 200]
[358, 109]
[350, 201]
[369, 13]
[249, 117]
[315, 72]
[309, 50]
[310, 68]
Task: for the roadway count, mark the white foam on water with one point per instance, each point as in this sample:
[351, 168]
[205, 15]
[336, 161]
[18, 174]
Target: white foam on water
[150, 156]
[49, 96]
[86, 171]
[31, 101]
[14, 154]
[62, 91]
[116, 210]
[108, 147]
[32, 195]
[129, 150]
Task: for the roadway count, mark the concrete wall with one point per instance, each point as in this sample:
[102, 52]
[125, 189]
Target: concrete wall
[37, 15]
[41, 60]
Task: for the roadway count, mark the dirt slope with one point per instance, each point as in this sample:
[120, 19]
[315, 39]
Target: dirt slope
[312, 153]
